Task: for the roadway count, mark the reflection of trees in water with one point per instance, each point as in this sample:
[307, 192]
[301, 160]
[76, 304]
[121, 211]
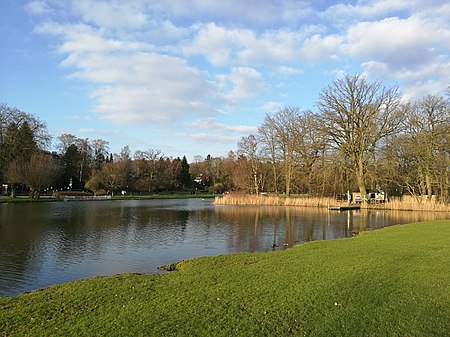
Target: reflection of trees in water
[374, 219]
[23, 242]
[91, 230]
[38, 236]
[262, 228]
[68, 233]
[276, 227]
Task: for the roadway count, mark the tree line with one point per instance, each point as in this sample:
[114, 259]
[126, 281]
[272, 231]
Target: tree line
[362, 136]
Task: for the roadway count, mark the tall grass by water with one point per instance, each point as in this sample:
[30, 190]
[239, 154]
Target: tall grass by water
[237, 199]
[411, 203]
[389, 282]
[407, 203]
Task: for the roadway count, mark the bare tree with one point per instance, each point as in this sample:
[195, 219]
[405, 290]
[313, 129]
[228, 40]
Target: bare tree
[280, 136]
[37, 173]
[111, 176]
[267, 135]
[428, 125]
[356, 115]
[248, 147]
[146, 168]
[100, 150]
[65, 140]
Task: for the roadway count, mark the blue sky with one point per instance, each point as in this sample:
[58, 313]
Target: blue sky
[193, 77]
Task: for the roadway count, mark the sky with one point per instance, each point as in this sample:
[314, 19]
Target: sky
[193, 77]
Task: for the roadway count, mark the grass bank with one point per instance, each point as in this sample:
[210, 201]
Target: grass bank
[117, 197]
[389, 282]
[136, 196]
[405, 203]
[7, 200]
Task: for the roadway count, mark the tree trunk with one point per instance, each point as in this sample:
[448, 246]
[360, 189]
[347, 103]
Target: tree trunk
[360, 181]
[13, 191]
[288, 180]
[275, 177]
[428, 186]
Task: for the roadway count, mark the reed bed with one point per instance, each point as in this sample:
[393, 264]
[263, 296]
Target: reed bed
[405, 203]
[410, 203]
[267, 200]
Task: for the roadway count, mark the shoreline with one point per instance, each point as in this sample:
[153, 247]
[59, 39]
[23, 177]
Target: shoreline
[405, 203]
[383, 282]
[20, 199]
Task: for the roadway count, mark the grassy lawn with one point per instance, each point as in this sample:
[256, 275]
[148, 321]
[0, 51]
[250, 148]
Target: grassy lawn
[135, 196]
[389, 282]
[25, 199]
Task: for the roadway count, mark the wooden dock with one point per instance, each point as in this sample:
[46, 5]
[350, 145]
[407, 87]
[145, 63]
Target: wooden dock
[344, 208]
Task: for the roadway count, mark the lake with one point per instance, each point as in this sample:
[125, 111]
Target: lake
[55, 242]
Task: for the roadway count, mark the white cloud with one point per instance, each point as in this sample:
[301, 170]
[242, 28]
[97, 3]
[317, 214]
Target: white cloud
[416, 82]
[318, 48]
[141, 106]
[146, 88]
[80, 38]
[212, 124]
[208, 138]
[288, 70]
[163, 32]
[172, 61]
[211, 133]
[215, 43]
[245, 83]
[113, 14]
[347, 13]
[250, 13]
[272, 47]
[271, 106]
[411, 51]
[222, 45]
[130, 81]
[38, 8]
[400, 41]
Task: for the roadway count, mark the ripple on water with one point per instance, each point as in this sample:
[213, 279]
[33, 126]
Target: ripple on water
[47, 243]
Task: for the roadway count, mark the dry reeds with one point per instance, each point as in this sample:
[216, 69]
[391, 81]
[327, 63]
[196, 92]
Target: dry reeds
[410, 203]
[266, 200]
[406, 203]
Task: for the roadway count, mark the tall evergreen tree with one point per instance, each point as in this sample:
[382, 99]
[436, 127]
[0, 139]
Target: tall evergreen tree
[70, 164]
[185, 177]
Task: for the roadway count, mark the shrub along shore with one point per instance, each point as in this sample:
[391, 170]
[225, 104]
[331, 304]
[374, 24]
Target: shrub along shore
[406, 203]
[389, 282]
[117, 197]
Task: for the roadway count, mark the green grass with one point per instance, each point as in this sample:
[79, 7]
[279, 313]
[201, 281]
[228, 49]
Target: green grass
[390, 282]
[134, 196]
[137, 196]
[23, 199]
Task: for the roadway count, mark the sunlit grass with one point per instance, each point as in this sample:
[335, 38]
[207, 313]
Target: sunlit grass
[389, 282]
[131, 196]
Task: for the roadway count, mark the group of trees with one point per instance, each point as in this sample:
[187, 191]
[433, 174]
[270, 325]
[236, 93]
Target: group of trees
[79, 163]
[149, 171]
[22, 139]
[361, 137]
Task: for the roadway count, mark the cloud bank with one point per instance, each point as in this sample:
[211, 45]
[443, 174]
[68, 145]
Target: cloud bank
[195, 64]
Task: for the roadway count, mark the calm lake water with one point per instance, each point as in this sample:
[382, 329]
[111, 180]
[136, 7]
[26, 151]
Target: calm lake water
[47, 243]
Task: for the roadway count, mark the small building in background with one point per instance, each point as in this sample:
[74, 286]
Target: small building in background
[373, 197]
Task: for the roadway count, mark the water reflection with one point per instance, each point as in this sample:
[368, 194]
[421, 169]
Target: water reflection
[47, 243]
